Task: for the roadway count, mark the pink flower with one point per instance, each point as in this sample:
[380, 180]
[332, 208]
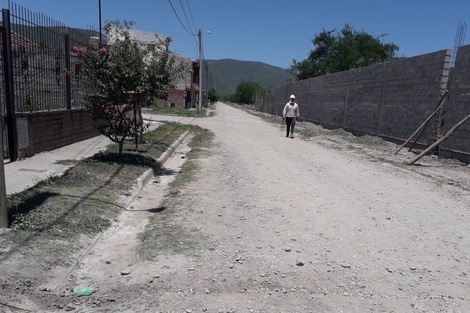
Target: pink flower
[114, 111]
[78, 67]
[75, 49]
[103, 51]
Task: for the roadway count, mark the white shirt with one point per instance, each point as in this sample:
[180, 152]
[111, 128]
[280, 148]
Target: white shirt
[291, 109]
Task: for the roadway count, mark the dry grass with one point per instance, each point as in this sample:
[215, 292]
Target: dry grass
[54, 214]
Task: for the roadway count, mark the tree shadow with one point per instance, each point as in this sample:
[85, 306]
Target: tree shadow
[31, 199]
[154, 210]
[146, 146]
[162, 171]
[124, 158]
[28, 204]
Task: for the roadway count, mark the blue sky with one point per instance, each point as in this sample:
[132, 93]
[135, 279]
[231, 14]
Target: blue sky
[270, 31]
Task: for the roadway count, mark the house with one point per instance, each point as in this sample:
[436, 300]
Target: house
[183, 96]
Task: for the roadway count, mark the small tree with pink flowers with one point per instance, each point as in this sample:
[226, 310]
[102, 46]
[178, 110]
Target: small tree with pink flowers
[124, 73]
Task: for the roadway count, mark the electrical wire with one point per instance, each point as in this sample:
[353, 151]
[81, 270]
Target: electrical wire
[191, 14]
[195, 35]
[185, 15]
[176, 14]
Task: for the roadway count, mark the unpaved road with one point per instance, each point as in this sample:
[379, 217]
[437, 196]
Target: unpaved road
[273, 224]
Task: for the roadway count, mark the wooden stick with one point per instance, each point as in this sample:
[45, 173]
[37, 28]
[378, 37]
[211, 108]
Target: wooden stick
[420, 133]
[446, 136]
[442, 102]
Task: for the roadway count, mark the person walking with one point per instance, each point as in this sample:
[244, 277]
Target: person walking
[290, 114]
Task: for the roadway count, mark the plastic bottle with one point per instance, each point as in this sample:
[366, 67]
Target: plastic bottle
[82, 291]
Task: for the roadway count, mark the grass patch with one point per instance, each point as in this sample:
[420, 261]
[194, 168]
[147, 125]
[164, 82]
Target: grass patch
[54, 214]
[178, 112]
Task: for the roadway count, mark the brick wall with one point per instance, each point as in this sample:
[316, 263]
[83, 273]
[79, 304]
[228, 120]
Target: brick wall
[55, 129]
[176, 99]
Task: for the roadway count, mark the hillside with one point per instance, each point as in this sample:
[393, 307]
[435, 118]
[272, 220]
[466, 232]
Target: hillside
[49, 36]
[225, 75]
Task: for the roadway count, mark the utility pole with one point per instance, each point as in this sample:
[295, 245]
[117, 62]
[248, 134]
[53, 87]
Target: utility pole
[200, 71]
[207, 79]
[99, 13]
[3, 189]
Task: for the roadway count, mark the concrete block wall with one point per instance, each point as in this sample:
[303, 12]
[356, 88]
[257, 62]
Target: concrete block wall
[413, 89]
[362, 99]
[333, 100]
[458, 107]
[390, 100]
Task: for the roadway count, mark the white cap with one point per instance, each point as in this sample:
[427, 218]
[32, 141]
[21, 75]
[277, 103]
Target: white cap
[292, 97]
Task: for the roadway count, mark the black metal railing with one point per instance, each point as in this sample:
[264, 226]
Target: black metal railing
[43, 68]
[37, 70]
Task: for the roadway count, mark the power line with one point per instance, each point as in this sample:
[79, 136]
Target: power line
[185, 16]
[191, 13]
[199, 41]
[176, 14]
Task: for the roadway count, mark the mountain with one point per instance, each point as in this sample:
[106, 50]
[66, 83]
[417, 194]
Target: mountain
[225, 75]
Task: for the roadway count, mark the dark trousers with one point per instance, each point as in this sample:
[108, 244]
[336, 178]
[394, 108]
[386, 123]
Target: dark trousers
[290, 124]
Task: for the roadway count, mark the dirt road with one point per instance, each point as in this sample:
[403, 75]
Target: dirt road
[288, 225]
[272, 224]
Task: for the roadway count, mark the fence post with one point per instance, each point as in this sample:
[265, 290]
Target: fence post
[3, 188]
[68, 85]
[9, 87]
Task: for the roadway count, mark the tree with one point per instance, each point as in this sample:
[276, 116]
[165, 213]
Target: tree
[341, 51]
[246, 92]
[125, 73]
[213, 95]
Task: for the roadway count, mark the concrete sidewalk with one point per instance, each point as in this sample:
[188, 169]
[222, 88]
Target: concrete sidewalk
[23, 174]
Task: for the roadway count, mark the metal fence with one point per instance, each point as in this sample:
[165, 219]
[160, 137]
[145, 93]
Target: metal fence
[3, 125]
[37, 70]
[43, 68]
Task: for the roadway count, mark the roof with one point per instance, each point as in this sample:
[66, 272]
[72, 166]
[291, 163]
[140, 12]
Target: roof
[18, 40]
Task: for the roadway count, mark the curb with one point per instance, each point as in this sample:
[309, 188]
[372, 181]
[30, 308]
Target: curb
[145, 178]
[142, 181]
[171, 150]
